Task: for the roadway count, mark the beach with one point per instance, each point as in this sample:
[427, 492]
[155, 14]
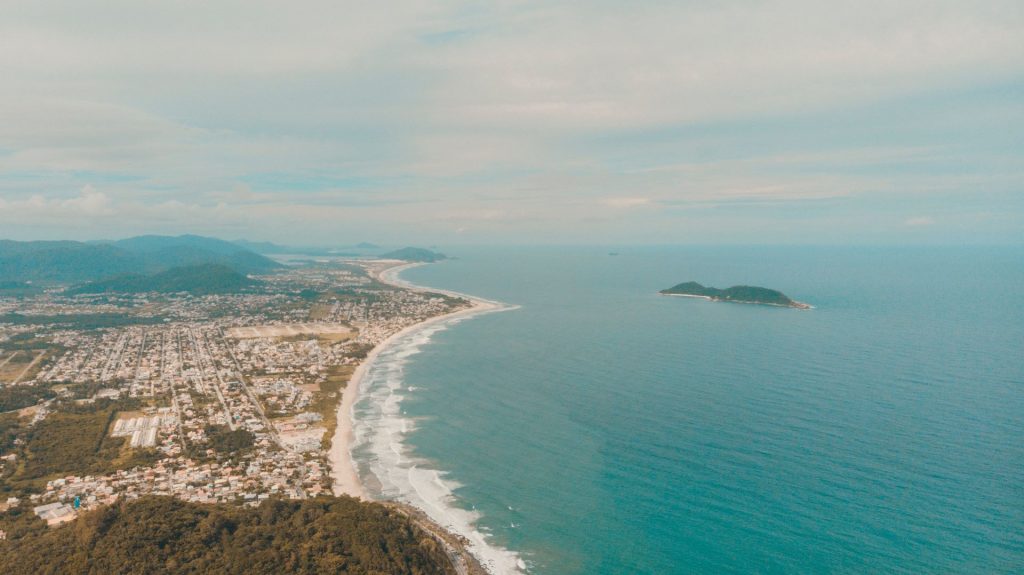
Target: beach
[343, 469]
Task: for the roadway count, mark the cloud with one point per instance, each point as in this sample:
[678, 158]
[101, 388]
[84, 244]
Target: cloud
[593, 66]
[919, 221]
[542, 115]
[625, 202]
[88, 203]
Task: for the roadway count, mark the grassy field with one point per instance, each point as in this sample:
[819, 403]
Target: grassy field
[319, 311]
[326, 400]
[21, 364]
[74, 442]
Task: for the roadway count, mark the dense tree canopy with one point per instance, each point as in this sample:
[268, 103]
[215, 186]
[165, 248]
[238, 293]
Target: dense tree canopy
[749, 294]
[162, 535]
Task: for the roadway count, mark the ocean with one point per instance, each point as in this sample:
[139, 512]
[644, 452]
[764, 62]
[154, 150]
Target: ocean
[597, 427]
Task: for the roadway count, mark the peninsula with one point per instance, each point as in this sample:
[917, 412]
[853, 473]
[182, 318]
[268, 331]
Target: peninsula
[735, 294]
[156, 384]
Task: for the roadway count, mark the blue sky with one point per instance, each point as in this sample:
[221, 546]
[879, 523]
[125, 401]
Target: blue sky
[515, 122]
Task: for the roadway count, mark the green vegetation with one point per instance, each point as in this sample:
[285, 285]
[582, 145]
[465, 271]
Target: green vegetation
[76, 262]
[325, 400]
[19, 396]
[202, 279]
[82, 390]
[79, 320]
[63, 261]
[24, 341]
[167, 536]
[359, 350]
[309, 294]
[18, 289]
[414, 255]
[73, 440]
[10, 429]
[227, 442]
[164, 252]
[741, 294]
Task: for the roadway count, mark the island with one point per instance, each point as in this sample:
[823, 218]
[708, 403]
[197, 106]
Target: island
[735, 294]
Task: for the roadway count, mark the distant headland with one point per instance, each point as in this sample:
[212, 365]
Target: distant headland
[735, 294]
[414, 255]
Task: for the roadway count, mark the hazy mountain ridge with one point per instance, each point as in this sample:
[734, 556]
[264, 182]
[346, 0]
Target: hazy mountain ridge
[271, 248]
[411, 254]
[77, 262]
[203, 279]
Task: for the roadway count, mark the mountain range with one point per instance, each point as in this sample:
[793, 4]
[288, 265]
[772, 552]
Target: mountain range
[69, 262]
[270, 248]
[202, 279]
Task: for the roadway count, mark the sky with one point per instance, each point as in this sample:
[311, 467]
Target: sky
[508, 122]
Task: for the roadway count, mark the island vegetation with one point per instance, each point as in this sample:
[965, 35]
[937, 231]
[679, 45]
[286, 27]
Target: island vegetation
[736, 294]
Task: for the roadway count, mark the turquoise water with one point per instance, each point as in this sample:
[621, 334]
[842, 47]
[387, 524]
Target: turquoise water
[601, 428]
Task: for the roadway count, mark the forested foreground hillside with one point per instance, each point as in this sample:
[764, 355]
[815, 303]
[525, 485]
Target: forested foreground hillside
[162, 535]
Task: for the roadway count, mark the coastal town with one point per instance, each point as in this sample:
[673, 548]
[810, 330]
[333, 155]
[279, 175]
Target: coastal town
[220, 398]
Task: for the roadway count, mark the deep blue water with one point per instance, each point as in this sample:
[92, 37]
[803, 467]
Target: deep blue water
[601, 428]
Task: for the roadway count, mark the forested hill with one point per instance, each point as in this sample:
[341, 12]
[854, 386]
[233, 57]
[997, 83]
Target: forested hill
[63, 261]
[739, 294]
[76, 262]
[162, 535]
[203, 279]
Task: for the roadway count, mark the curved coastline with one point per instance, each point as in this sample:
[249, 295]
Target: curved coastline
[344, 470]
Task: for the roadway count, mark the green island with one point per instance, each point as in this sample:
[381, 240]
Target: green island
[735, 294]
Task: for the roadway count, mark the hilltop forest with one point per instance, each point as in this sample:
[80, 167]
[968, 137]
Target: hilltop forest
[163, 535]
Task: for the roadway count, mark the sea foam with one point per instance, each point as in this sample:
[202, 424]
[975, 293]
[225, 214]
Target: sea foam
[387, 465]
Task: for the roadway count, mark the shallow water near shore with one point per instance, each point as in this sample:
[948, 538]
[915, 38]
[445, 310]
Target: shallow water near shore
[601, 428]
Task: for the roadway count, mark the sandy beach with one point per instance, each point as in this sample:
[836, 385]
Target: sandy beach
[795, 304]
[346, 479]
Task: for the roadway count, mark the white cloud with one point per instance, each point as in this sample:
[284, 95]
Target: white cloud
[89, 203]
[625, 202]
[919, 221]
[581, 65]
[504, 114]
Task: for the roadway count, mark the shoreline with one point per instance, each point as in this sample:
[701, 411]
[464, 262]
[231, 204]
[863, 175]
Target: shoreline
[794, 305]
[343, 469]
[463, 551]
